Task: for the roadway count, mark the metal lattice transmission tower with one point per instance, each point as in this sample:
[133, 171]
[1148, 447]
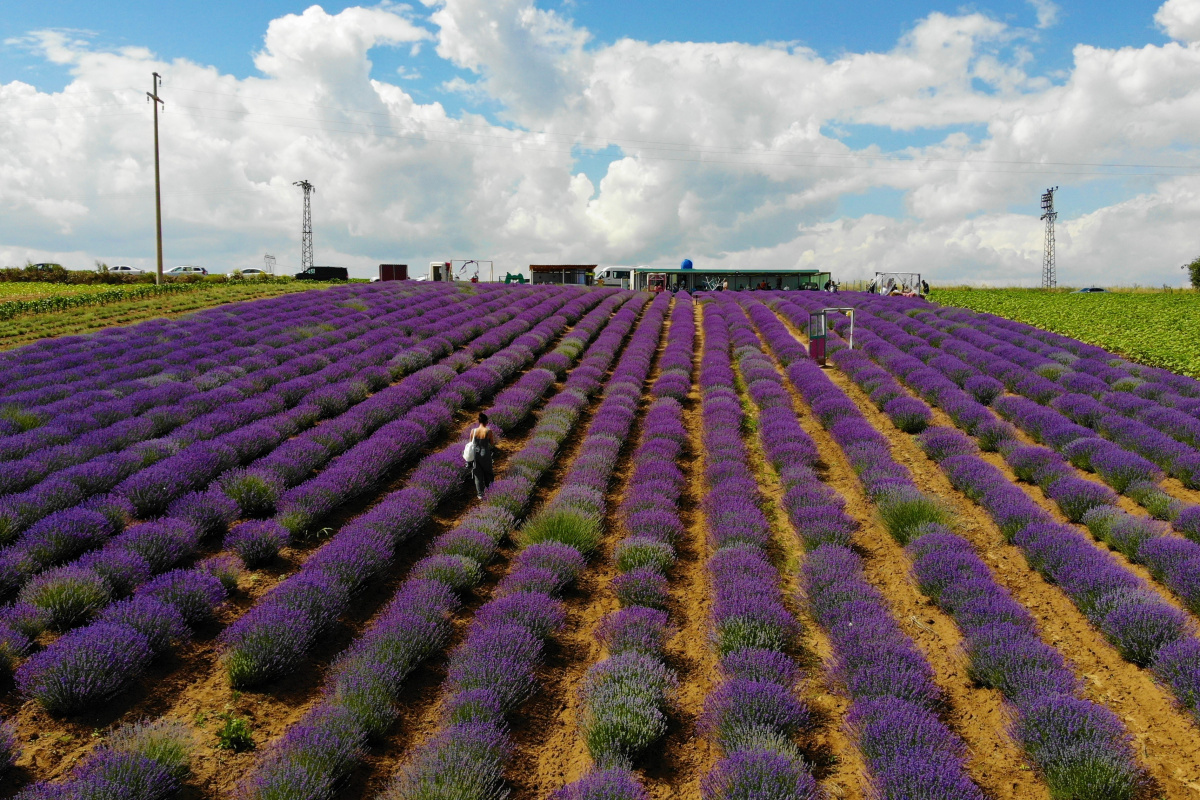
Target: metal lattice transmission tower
[306, 247]
[1049, 271]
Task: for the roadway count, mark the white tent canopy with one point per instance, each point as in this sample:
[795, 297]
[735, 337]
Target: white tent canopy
[906, 283]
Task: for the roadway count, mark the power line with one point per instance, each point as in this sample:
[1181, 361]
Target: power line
[598, 142]
[658, 144]
[507, 143]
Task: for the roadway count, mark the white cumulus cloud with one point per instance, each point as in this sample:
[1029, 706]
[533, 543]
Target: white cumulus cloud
[1047, 12]
[728, 153]
[1180, 19]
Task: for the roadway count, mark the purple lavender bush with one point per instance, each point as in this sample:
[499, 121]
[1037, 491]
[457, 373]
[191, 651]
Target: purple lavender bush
[84, 667]
[603, 784]
[759, 775]
[257, 542]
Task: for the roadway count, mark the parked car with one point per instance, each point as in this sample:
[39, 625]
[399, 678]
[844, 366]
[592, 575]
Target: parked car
[251, 272]
[1089, 290]
[324, 274]
[125, 269]
[187, 270]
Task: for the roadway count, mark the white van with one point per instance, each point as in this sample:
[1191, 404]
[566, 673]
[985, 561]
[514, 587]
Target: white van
[615, 276]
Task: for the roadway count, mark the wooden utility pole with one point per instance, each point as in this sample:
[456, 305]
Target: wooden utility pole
[155, 101]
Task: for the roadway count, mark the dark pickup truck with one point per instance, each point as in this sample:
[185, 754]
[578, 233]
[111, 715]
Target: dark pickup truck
[323, 274]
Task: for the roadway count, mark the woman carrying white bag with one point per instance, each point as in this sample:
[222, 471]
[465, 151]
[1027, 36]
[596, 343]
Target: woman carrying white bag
[478, 454]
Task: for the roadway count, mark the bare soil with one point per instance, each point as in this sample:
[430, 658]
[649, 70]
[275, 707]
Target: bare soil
[1166, 739]
[189, 683]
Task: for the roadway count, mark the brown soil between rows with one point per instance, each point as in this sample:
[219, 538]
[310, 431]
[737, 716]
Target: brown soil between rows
[551, 752]
[977, 714]
[1173, 487]
[189, 683]
[1166, 739]
[837, 762]
[422, 700]
[1042, 499]
[689, 652]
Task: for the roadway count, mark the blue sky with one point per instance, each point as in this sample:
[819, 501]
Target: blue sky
[225, 34]
[1018, 72]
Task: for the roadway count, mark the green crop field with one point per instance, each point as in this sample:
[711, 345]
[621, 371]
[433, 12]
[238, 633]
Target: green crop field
[31, 290]
[1161, 329]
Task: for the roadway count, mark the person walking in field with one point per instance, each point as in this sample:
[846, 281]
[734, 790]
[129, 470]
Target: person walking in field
[481, 448]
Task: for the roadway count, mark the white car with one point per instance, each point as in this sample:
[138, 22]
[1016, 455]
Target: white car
[125, 269]
[252, 272]
[187, 270]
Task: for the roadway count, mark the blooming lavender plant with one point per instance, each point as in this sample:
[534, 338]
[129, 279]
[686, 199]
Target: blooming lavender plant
[257, 542]
[83, 667]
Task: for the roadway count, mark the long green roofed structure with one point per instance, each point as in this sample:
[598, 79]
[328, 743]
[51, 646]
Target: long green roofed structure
[700, 279]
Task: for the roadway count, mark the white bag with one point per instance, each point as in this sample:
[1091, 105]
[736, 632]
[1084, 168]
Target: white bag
[469, 450]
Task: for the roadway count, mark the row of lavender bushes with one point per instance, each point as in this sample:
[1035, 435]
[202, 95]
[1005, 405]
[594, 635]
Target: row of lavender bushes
[64, 597]
[1172, 560]
[140, 761]
[626, 695]
[70, 595]
[63, 536]
[361, 467]
[495, 669]
[272, 639]
[358, 702]
[217, 421]
[91, 381]
[752, 713]
[1071, 420]
[1080, 748]
[1058, 405]
[894, 717]
[1156, 397]
[180, 401]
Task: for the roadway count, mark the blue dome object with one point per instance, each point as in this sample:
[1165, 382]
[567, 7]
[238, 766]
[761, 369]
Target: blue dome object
[687, 264]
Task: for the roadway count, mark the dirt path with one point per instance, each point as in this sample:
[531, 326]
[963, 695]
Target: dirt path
[189, 684]
[549, 752]
[421, 705]
[1037, 495]
[836, 761]
[690, 757]
[978, 715]
[1166, 739]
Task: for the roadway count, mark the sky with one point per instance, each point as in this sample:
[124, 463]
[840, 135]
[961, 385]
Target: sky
[854, 137]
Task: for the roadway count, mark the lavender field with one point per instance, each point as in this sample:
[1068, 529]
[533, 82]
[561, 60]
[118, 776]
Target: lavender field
[241, 555]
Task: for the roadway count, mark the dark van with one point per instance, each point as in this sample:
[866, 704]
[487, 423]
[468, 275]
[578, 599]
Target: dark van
[323, 274]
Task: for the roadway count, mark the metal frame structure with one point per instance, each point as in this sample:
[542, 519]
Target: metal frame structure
[1049, 269]
[478, 264]
[849, 312]
[884, 282]
[306, 244]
